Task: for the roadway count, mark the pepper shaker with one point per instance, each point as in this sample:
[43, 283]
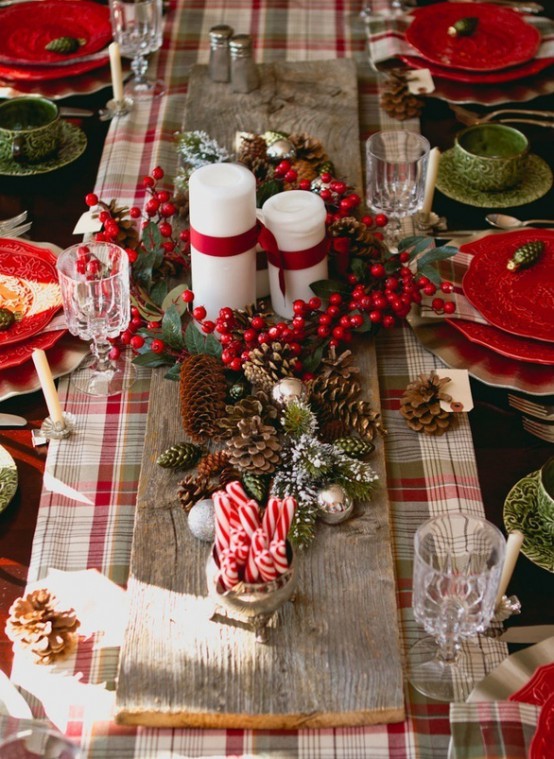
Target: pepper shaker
[244, 73]
[220, 64]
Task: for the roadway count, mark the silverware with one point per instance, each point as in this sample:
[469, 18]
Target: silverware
[543, 411]
[78, 113]
[544, 431]
[16, 231]
[527, 633]
[503, 221]
[12, 420]
[469, 118]
[13, 221]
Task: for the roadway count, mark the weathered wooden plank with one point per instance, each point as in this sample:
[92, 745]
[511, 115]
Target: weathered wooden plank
[333, 655]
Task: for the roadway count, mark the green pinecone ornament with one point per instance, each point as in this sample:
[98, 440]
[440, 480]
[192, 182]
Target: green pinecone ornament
[526, 255]
[255, 485]
[64, 45]
[355, 447]
[180, 456]
[7, 318]
[463, 27]
[237, 391]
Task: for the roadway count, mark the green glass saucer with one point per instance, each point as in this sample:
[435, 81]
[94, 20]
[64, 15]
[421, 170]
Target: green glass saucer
[536, 183]
[72, 146]
[8, 478]
[520, 513]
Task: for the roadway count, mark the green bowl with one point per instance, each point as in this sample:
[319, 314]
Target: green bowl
[491, 157]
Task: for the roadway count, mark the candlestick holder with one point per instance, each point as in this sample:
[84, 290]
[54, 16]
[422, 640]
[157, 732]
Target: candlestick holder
[431, 222]
[114, 109]
[506, 608]
[58, 430]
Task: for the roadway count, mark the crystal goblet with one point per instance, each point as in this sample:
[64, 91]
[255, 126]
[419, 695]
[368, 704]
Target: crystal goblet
[94, 284]
[36, 741]
[396, 165]
[137, 27]
[457, 567]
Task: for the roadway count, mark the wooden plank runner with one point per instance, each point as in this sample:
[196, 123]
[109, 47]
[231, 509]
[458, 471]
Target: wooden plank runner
[333, 655]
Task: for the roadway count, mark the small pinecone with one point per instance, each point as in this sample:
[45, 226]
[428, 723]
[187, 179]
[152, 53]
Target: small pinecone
[35, 623]
[526, 255]
[275, 359]
[305, 170]
[397, 101]
[363, 243]
[260, 168]
[339, 366]
[255, 485]
[252, 148]
[192, 489]
[181, 200]
[64, 45]
[212, 464]
[420, 405]
[203, 389]
[308, 148]
[228, 474]
[180, 456]
[359, 417]
[355, 447]
[128, 236]
[332, 430]
[238, 390]
[7, 318]
[244, 409]
[255, 448]
[258, 377]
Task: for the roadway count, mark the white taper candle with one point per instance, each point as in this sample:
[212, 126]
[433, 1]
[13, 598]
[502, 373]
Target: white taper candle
[115, 67]
[430, 181]
[513, 547]
[47, 384]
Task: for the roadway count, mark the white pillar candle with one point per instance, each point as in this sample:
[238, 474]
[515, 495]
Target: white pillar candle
[222, 204]
[297, 221]
[115, 68]
[47, 384]
[513, 547]
[430, 182]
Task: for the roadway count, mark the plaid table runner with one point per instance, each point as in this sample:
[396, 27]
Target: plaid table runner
[426, 475]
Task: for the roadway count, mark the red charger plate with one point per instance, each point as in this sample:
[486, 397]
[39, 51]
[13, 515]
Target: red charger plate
[511, 346]
[539, 687]
[18, 353]
[501, 39]
[530, 68]
[543, 740]
[521, 302]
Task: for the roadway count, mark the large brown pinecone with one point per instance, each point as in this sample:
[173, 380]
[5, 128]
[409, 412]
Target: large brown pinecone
[192, 489]
[275, 359]
[336, 382]
[253, 405]
[211, 464]
[252, 147]
[420, 404]
[308, 148]
[37, 624]
[258, 377]
[363, 243]
[358, 416]
[396, 99]
[255, 448]
[203, 390]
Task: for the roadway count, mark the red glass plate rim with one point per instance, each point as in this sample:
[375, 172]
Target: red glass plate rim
[512, 74]
[514, 347]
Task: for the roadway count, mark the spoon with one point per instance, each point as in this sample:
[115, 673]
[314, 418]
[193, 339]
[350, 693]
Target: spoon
[503, 221]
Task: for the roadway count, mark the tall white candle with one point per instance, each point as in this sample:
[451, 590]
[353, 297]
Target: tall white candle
[430, 181]
[222, 203]
[513, 547]
[297, 221]
[115, 68]
[47, 384]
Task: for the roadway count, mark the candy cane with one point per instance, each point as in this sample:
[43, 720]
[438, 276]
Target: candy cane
[266, 565]
[240, 545]
[271, 516]
[222, 511]
[278, 551]
[285, 518]
[236, 492]
[228, 570]
[249, 517]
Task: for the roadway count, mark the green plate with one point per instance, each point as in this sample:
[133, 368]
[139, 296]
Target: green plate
[8, 478]
[535, 184]
[520, 513]
[72, 146]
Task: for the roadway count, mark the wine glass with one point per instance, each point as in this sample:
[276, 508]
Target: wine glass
[94, 284]
[36, 741]
[457, 567]
[395, 169]
[137, 27]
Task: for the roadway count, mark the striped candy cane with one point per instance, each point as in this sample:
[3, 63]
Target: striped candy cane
[240, 545]
[249, 517]
[278, 551]
[228, 570]
[236, 492]
[285, 518]
[222, 511]
[271, 516]
[266, 565]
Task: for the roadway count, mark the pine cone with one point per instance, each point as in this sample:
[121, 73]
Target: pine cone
[128, 236]
[255, 485]
[258, 377]
[180, 456]
[252, 148]
[332, 430]
[362, 242]
[212, 464]
[203, 390]
[275, 359]
[396, 99]
[420, 405]
[192, 489]
[228, 474]
[305, 170]
[308, 148]
[7, 318]
[355, 447]
[340, 366]
[255, 448]
[359, 417]
[252, 405]
[327, 392]
[35, 623]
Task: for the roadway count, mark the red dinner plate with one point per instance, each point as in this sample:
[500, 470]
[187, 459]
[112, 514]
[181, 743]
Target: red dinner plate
[530, 68]
[512, 346]
[49, 73]
[501, 39]
[28, 286]
[28, 27]
[520, 302]
[18, 353]
[539, 687]
[543, 740]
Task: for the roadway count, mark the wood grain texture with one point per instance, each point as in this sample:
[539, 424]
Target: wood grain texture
[333, 655]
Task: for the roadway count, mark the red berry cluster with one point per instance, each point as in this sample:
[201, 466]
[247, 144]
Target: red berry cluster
[130, 337]
[89, 265]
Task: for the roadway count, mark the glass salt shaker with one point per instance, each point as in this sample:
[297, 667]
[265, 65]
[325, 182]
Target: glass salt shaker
[220, 64]
[244, 73]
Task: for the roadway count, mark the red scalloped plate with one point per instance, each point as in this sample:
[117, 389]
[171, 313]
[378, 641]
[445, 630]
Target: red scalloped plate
[520, 302]
[18, 353]
[29, 286]
[502, 38]
[539, 687]
[543, 740]
[511, 346]
[50, 73]
[28, 27]
[530, 68]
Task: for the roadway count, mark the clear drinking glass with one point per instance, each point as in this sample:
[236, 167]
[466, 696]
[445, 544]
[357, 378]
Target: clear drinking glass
[457, 567]
[137, 27]
[395, 170]
[94, 283]
[38, 741]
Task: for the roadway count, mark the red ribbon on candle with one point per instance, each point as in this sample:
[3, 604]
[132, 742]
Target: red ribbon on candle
[222, 247]
[291, 260]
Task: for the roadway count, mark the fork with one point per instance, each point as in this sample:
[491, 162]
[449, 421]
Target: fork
[6, 224]
[538, 429]
[538, 410]
[469, 117]
[16, 231]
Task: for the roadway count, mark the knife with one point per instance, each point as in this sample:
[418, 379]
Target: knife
[12, 420]
[527, 633]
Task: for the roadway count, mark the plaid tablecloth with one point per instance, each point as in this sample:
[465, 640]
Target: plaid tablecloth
[426, 475]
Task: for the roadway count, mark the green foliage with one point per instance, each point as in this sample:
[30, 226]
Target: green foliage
[323, 288]
[298, 419]
[172, 333]
[197, 342]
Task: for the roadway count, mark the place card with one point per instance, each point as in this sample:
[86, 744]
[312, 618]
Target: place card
[420, 82]
[459, 388]
[87, 223]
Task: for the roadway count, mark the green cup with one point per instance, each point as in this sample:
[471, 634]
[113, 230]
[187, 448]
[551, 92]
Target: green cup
[545, 495]
[491, 157]
[29, 129]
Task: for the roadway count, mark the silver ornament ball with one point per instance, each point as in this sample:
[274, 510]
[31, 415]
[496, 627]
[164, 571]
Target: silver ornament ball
[289, 389]
[201, 520]
[334, 504]
[281, 150]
